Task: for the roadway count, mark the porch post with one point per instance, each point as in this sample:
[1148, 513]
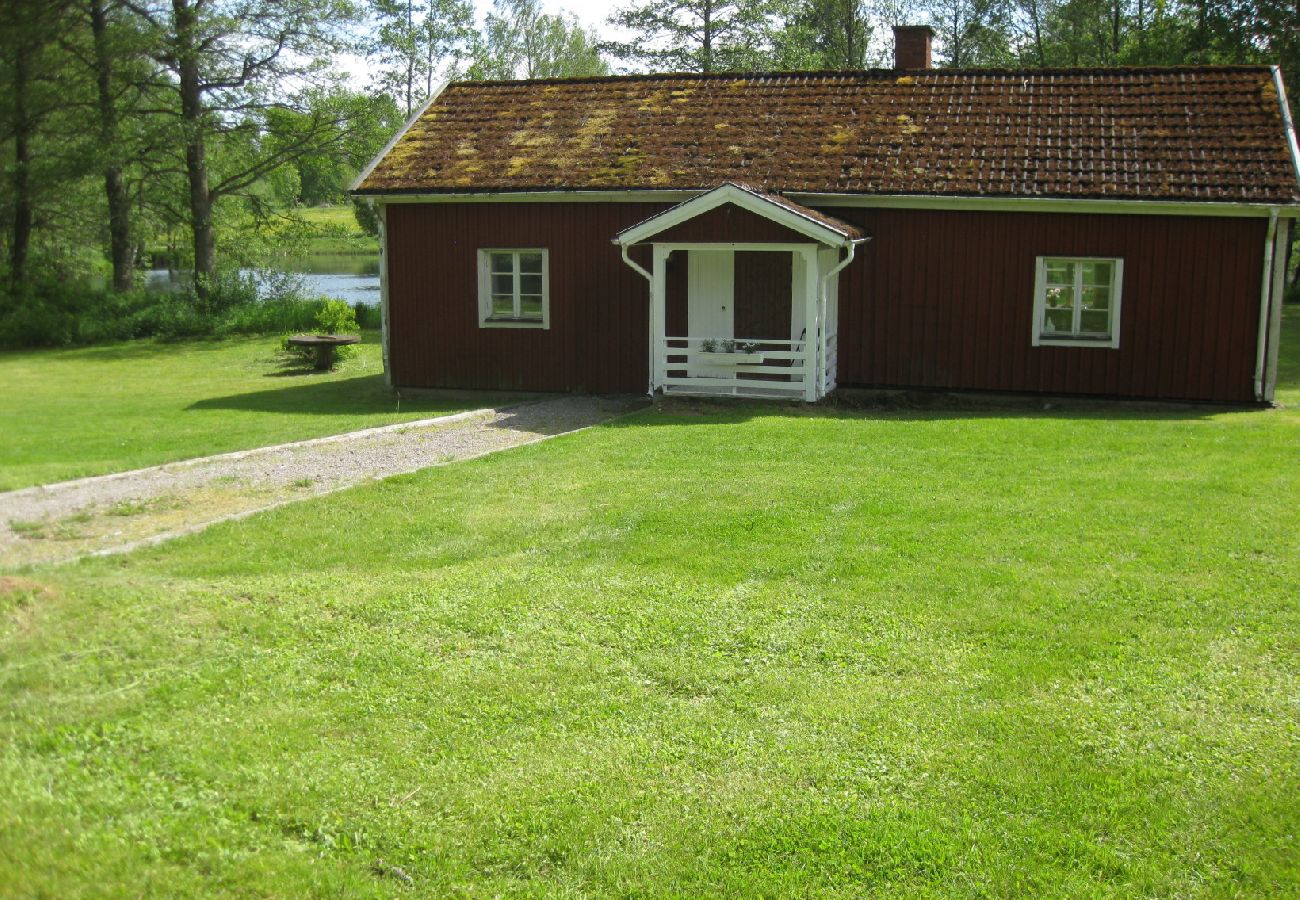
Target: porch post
[812, 324]
[658, 315]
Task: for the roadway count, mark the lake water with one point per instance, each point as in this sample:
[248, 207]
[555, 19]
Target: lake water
[353, 278]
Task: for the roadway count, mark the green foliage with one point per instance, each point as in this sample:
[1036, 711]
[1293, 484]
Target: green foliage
[825, 34]
[368, 317]
[336, 317]
[366, 216]
[521, 41]
[49, 313]
[698, 35]
[413, 41]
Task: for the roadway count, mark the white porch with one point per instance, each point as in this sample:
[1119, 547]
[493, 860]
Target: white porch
[715, 333]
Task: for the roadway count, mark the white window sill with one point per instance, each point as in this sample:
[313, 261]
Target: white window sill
[1102, 343]
[514, 323]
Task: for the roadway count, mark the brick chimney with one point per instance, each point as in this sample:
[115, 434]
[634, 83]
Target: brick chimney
[912, 46]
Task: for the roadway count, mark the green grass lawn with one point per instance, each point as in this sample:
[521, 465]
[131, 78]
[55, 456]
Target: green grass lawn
[747, 651]
[88, 411]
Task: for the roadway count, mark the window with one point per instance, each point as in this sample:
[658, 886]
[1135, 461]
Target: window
[513, 289]
[1076, 302]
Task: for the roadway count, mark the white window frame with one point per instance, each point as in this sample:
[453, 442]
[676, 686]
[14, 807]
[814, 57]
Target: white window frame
[1040, 302]
[485, 318]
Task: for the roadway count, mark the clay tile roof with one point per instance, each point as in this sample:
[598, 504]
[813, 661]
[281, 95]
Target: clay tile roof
[1205, 134]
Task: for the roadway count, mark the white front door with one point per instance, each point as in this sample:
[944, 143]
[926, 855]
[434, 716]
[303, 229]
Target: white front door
[711, 290]
[710, 298]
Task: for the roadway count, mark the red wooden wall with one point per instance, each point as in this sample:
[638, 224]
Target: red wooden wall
[945, 300]
[936, 299]
[599, 334]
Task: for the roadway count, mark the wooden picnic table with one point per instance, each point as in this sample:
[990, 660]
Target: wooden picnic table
[323, 345]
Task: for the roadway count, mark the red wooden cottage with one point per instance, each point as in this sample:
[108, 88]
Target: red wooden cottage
[1109, 232]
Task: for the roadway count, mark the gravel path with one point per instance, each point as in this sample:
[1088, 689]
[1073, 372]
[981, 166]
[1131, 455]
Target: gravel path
[115, 513]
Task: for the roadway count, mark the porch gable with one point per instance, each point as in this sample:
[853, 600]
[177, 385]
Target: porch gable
[759, 216]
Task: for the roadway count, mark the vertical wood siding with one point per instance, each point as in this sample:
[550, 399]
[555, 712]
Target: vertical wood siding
[945, 300]
[937, 299]
[762, 304]
[599, 334]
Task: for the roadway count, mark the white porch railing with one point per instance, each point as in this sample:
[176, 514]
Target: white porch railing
[734, 367]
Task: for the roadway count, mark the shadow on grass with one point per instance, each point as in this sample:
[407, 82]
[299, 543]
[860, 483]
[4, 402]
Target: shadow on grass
[912, 406]
[153, 348]
[362, 395]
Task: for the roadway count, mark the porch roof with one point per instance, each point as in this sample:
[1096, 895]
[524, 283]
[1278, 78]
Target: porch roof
[811, 223]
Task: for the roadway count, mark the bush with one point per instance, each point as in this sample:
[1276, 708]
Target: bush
[49, 312]
[336, 317]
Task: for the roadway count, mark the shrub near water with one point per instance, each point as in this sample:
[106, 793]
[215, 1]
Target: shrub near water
[50, 313]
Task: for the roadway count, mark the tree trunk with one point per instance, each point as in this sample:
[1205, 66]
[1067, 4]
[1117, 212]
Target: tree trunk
[706, 59]
[850, 26]
[22, 223]
[1038, 33]
[119, 203]
[1142, 31]
[410, 60]
[196, 162]
[1115, 23]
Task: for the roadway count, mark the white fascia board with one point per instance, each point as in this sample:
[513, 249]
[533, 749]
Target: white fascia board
[370, 166]
[1288, 127]
[1046, 205]
[747, 200]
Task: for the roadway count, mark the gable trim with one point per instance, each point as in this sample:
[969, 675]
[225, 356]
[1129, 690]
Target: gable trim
[748, 200]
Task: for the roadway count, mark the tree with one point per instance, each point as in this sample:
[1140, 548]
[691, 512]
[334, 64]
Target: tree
[323, 176]
[521, 41]
[230, 62]
[826, 34]
[31, 95]
[417, 40]
[698, 35]
[973, 32]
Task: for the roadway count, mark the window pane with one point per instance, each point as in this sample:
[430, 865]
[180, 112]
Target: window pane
[1094, 322]
[530, 262]
[1097, 272]
[530, 307]
[1095, 297]
[503, 306]
[503, 284]
[503, 262]
[1060, 272]
[1058, 321]
[530, 284]
[1060, 297]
